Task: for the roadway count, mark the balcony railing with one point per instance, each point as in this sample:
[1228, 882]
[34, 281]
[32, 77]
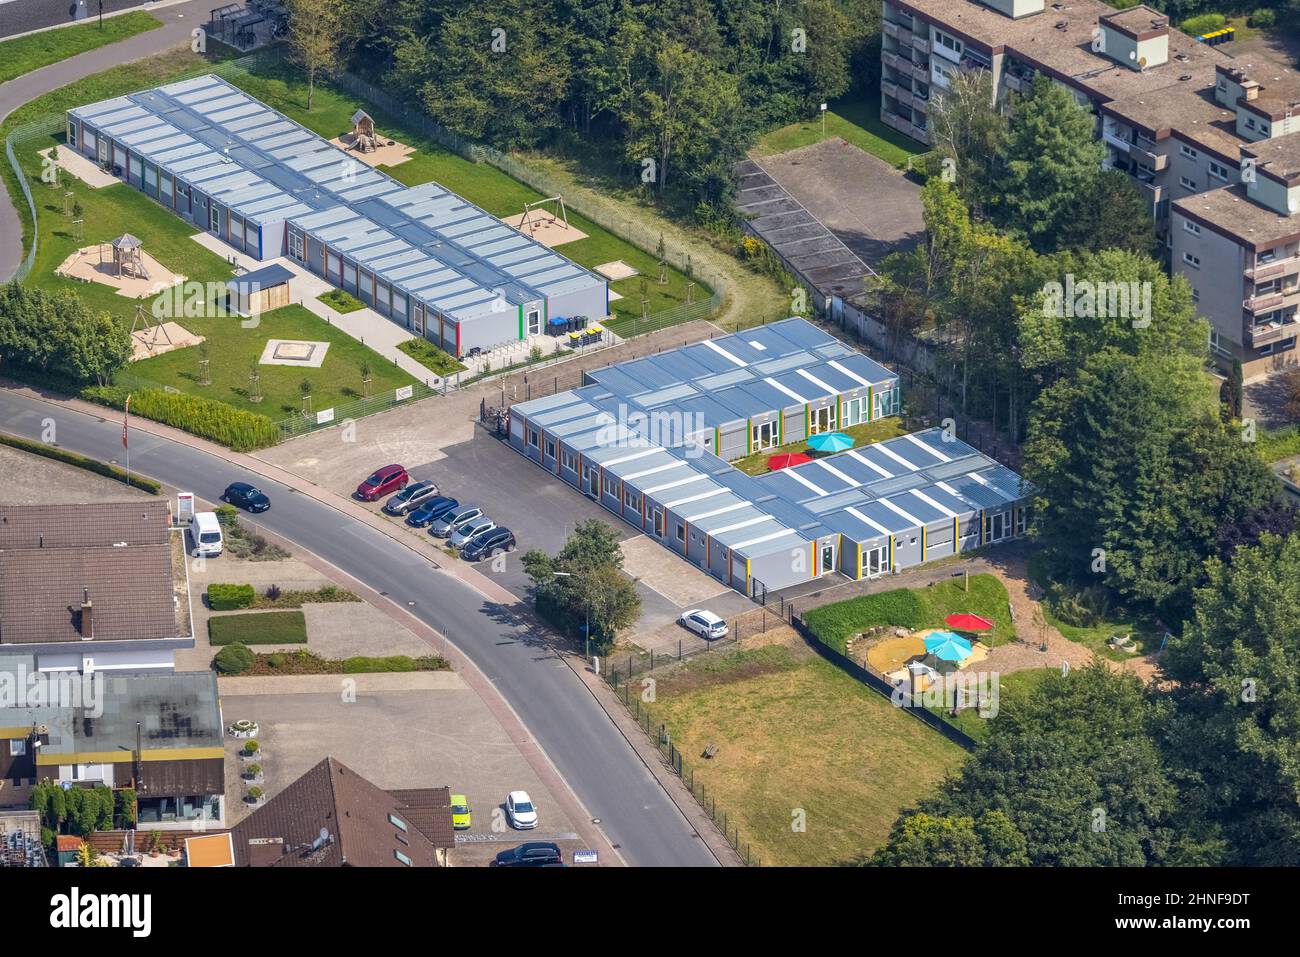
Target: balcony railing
[1272, 269]
[921, 70]
[1263, 302]
[921, 42]
[1156, 161]
[1019, 84]
[890, 28]
[889, 88]
[1267, 333]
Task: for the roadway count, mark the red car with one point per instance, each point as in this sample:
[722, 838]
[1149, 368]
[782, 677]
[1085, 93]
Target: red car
[391, 478]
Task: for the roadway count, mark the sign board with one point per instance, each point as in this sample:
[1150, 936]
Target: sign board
[184, 507]
[584, 857]
[405, 392]
[324, 415]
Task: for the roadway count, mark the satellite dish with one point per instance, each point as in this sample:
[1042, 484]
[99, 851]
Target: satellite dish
[324, 834]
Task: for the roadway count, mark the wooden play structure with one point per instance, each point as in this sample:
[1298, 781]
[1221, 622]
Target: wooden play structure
[363, 132]
[128, 257]
[537, 215]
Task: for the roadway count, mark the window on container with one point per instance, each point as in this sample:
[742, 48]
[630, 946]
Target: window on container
[550, 449]
[533, 438]
[681, 532]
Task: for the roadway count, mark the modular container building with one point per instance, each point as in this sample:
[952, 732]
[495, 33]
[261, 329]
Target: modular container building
[863, 513]
[420, 255]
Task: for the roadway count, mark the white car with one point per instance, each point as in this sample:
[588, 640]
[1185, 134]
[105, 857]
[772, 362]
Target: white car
[704, 623]
[462, 533]
[520, 810]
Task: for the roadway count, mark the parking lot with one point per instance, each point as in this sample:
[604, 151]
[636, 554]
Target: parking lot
[402, 731]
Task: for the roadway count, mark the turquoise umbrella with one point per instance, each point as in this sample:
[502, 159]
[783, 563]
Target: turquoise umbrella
[831, 442]
[947, 646]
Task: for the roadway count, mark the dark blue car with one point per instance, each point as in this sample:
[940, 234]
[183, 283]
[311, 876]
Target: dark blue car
[245, 496]
[431, 511]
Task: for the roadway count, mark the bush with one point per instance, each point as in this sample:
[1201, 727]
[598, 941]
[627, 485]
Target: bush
[254, 769]
[255, 793]
[234, 659]
[1080, 607]
[431, 357]
[276, 660]
[1203, 24]
[272, 593]
[251, 746]
[227, 597]
[234, 428]
[78, 461]
[1263, 18]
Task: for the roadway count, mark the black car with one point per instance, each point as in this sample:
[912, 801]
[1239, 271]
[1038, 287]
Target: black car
[243, 495]
[431, 511]
[532, 854]
[489, 543]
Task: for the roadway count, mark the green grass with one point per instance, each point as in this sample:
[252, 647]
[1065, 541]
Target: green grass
[341, 300]
[1276, 444]
[431, 357]
[914, 609]
[1116, 621]
[258, 628]
[794, 733]
[1013, 691]
[856, 120]
[865, 434]
[25, 54]
[480, 183]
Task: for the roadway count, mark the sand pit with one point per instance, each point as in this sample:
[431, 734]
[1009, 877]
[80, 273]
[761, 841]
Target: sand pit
[545, 228]
[154, 341]
[294, 352]
[384, 155]
[85, 170]
[894, 653]
[616, 270]
[95, 264]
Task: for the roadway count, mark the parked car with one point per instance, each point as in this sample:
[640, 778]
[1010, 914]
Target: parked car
[489, 543]
[410, 497]
[432, 510]
[532, 854]
[465, 532]
[520, 811]
[205, 531]
[460, 812]
[450, 521]
[379, 483]
[243, 495]
[704, 623]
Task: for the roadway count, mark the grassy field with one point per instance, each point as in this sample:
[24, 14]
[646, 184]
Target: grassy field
[480, 183]
[794, 732]
[916, 608]
[258, 628]
[1013, 690]
[25, 54]
[864, 434]
[856, 121]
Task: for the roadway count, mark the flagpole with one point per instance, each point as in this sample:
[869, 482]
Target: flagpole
[126, 418]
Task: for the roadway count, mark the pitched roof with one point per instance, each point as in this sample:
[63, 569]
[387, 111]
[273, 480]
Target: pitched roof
[333, 817]
[130, 589]
[83, 526]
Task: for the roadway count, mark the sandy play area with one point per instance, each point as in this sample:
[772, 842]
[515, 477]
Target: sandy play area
[154, 341]
[892, 654]
[384, 155]
[616, 270]
[545, 228]
[95, 264]
[85, 170]
[294, 352]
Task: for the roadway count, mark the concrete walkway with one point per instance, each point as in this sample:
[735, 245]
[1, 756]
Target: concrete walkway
[178, 20]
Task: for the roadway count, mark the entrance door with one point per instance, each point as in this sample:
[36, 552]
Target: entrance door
[822, 420]
[764, 436]
[875, 561]
[418, 312]
[999, 527]
[589, 479]
[659, 522]
[214, 217]
[103, 151]
[828, 558]
[534, 322]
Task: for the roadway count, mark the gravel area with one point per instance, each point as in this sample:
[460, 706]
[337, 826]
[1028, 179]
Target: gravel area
[36, 480]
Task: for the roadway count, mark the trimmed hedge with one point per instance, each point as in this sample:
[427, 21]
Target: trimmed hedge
[227, 597]
[79, 461]
[234, 659]
[258, 628]
[234, 428]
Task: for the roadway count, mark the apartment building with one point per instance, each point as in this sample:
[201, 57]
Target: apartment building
[1204, 133]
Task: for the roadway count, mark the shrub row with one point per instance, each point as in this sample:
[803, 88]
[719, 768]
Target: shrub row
[227, 597]
[79, 461]
[208, 418]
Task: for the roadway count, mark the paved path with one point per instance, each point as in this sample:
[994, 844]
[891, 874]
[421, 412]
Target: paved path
[178, 20]
[477, 624]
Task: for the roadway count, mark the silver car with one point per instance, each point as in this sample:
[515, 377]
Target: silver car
[444, 526]
[411, 497]
[467, 530]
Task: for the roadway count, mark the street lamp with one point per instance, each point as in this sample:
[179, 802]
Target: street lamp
[587, 603]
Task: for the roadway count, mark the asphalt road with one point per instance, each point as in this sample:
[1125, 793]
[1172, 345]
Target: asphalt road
[23, 16]
[600, 766]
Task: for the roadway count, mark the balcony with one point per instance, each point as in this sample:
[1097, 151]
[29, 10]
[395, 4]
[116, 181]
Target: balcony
[1115, 138]
[890, 28]
[1018, 84]
[921, 71]
[1263, 302]
[894, 61]
[1272, 269]
[889, 88]
[1267, 333]
[1155, 161]
[921, 42]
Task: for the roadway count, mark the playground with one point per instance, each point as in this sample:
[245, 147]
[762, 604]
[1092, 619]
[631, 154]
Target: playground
[122, 265]
[368, 146]
[548, 226]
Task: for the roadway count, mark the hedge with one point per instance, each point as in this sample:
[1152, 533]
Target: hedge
[79, 461]
[234, 428]
[258, 628]
[234, 659]
[226, 597]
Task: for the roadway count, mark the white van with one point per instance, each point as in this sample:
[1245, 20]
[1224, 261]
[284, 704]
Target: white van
[205, 532]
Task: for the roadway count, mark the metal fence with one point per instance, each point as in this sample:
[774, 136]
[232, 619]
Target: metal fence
[356, 409]
[44, 127]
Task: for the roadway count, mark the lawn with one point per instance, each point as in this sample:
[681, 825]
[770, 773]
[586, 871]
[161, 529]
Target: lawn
[341, 301]
[431, 357]
[915, 609]
[25, 54]
[480, 183]
[1013, 691]
[1116, 621]
[258, 628]
[856, 120]
[865, 434]
[796, 733]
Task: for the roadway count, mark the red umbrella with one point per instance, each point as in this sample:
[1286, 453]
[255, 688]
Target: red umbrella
[968, 622]
[787, 459]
